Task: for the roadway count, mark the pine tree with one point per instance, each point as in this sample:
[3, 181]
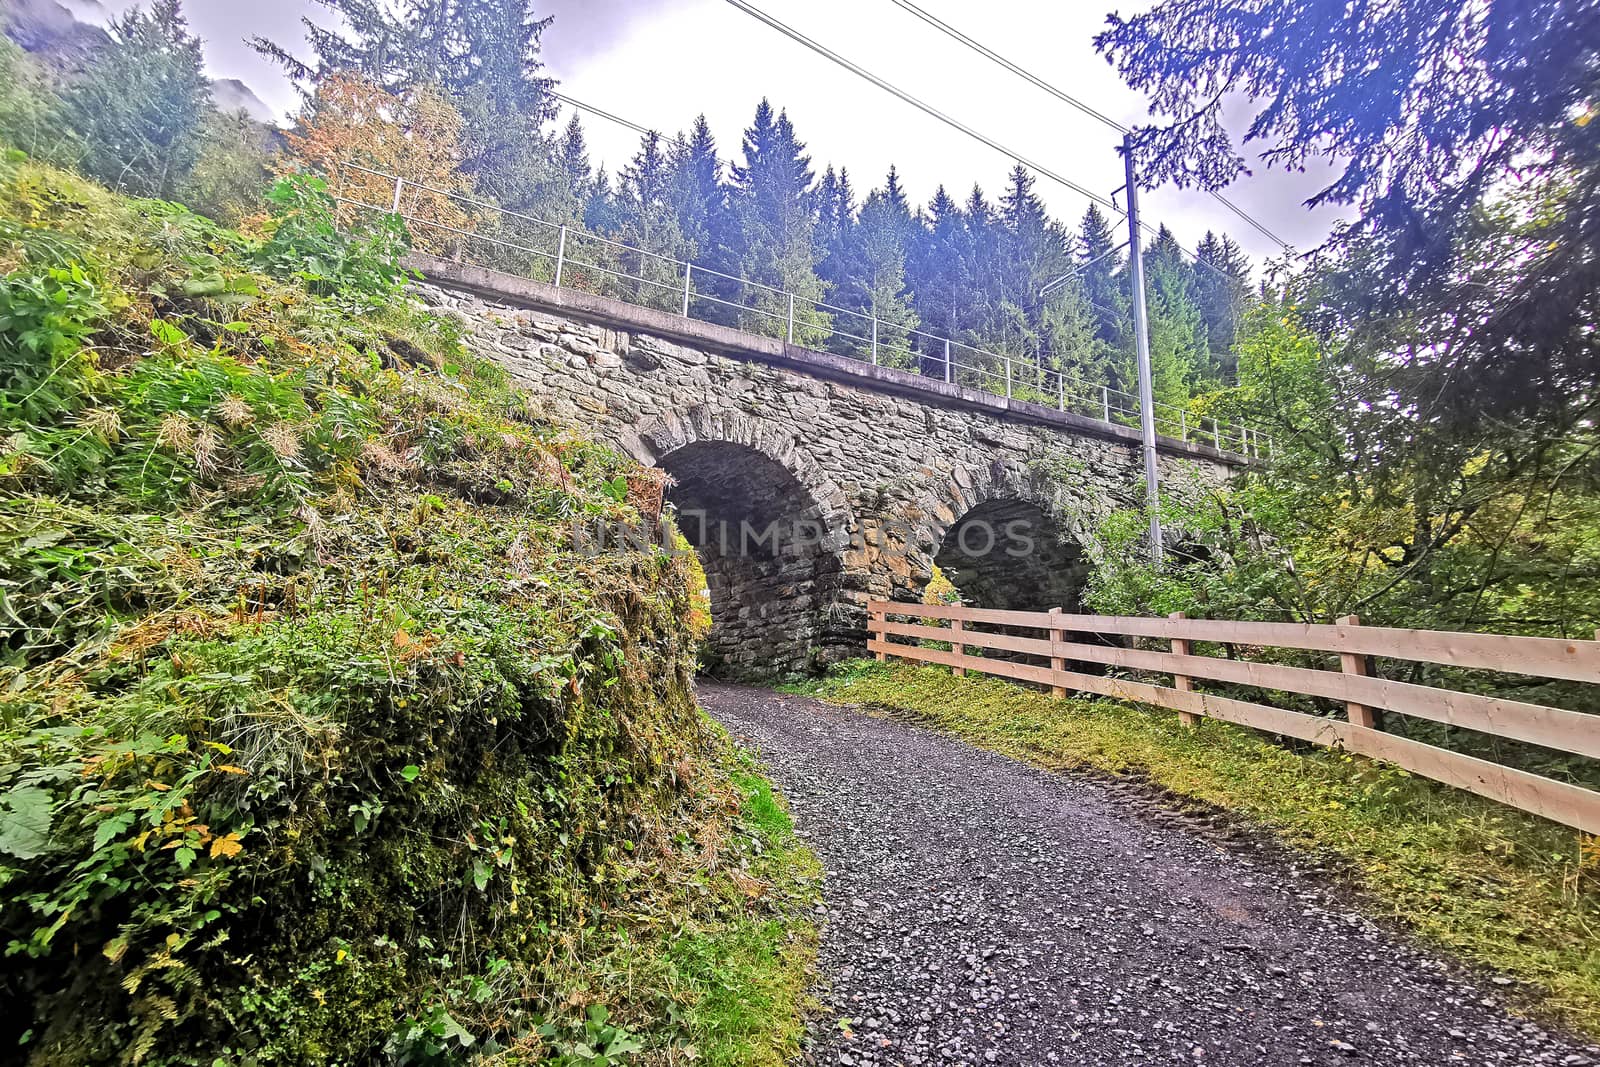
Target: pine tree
[649, 221]
[140, 109]
[1222, 291]
[1034, 252]
[836, 219]
[1105, 290]
[773, 201]
[700, 199]
[941, 276]
[874, 284]
[1178, 347]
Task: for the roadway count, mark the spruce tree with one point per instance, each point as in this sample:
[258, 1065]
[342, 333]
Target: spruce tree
[649, 222]
[773, 201]
[700, 199]
[875, 282]
[1105, 289]
[1178, 349]
[1222, 291]
[140, 109]
[483, 53]
[941, 276]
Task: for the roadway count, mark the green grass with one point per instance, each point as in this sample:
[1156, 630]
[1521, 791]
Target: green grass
[719, 974]
[1492, 885]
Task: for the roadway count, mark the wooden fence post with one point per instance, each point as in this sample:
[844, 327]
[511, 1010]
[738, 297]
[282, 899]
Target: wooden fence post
[1354, 663]
[1181, 682]
[957, 647]
[875, 628]
[1057, 636]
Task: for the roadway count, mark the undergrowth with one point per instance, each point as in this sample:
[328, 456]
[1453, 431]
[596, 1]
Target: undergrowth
[320, 741]
[1500, 888]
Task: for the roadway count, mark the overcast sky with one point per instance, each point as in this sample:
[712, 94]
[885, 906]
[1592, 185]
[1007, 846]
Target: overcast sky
[661, 62]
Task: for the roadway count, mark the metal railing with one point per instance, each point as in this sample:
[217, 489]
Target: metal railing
[573, 259]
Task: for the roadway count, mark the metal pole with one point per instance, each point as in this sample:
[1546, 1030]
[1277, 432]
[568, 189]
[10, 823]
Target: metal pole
[1141, 329]
[1061, 391]
[561, 255]
[1105, 401]
[688, 282]
[791, 318]
[874, 342]
[1008, 377]
[1183, 423]
[399, 183]
[947, 376]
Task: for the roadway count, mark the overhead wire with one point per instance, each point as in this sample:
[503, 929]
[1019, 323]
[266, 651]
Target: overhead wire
[923, 106]
[1067, 98]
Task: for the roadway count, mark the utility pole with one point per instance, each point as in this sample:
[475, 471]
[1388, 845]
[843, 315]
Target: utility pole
[1141, 330]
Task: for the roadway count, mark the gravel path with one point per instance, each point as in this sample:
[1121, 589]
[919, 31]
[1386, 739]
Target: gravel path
[981, 911]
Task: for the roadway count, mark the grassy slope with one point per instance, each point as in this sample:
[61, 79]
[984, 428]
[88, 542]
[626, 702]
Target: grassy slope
[1497, 887]
[316, 733]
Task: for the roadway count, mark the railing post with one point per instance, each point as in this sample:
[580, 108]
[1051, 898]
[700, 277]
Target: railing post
[1105, 401]
[957, 647]
[1057, 663]
[1354, 663]
[791, 318]
[1183, 426]
[1008, 377]
[688, 283]
[1061, 391]
[875, 620]
[561, 255]
[399, 184]
[1180, 682]
[947, 377]
[874, 340]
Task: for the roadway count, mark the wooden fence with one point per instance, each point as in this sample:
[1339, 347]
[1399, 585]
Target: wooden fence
[1363, 695]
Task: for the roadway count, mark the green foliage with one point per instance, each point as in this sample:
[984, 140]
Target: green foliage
[1502, 888]
[317, 732]
[307, 243]
[45, 317]
[30, 117]
[139, 109]
[233, 171]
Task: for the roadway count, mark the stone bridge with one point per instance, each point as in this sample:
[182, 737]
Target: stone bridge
[872, 476]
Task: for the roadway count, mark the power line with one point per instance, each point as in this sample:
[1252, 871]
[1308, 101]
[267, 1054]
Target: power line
[1068, 98]
[989, 53]
[618, 119]
[926, 108]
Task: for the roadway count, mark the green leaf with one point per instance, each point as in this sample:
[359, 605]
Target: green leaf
[167, 333]
[111, 827]
[410, 771]
[25, 830]
[185, 858]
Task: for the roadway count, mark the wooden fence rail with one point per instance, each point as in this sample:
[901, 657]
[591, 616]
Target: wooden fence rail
[1556, 728]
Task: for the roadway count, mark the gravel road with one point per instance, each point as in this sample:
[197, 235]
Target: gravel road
[981, 911]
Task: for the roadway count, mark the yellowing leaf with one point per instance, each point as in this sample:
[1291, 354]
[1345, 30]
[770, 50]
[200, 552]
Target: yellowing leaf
[228, 768]
[226, 846]
[401, 639]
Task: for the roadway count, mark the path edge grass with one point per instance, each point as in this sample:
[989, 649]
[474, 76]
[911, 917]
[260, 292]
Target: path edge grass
[1497, 888]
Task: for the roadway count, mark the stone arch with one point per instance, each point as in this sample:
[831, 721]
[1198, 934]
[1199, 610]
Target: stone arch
[770, 530]
[1005, 540]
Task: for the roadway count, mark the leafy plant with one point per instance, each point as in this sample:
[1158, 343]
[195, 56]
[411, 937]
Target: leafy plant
[307, 243]
[596, 1043]
[45, 318]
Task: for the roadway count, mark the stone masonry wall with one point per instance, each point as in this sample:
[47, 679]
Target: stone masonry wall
[885, 475]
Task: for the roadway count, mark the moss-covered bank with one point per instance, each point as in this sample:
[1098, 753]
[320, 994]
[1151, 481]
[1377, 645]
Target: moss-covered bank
[320, 742]
[1498, 887]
